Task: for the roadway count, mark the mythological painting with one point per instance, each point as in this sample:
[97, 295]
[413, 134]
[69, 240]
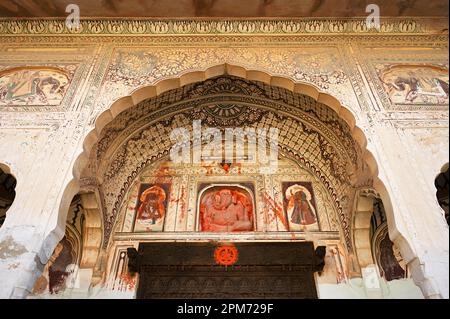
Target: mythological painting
[226, 208]
[151, 207]
[33, 86]
[57, 274]
[300, 206]
[415, 84]
[388, 257]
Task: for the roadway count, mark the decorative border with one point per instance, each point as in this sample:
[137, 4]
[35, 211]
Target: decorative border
[254, 235]
[139, 26]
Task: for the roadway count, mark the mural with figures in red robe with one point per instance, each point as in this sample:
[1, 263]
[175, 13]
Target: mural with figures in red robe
[226, 208]
[300, 205]
[151, 207]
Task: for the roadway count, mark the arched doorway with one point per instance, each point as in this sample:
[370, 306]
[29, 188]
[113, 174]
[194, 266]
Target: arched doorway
[322, 150]
[61, 273]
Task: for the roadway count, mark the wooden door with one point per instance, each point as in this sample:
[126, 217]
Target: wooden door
[262, 270]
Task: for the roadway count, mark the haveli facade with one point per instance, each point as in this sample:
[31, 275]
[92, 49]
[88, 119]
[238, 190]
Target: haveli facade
[85, 122]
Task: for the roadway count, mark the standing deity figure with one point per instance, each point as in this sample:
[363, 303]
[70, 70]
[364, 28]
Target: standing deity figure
[300, 209]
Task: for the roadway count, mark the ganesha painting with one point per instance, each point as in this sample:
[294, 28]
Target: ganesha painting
[226, 208]
[300, 206]
[151, 207]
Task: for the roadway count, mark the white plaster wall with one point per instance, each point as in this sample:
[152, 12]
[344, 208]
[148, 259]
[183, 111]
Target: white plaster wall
[355, 289]
[417, 216]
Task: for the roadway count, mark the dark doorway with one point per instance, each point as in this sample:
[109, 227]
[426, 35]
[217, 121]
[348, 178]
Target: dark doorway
[7, 193]
[262, 270]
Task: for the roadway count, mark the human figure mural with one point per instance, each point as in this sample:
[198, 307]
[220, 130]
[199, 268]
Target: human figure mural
[226, 209]
[33, 87]
[416, 84]
[388, 262]
[151, 208]
[61, 265]
[300, 207]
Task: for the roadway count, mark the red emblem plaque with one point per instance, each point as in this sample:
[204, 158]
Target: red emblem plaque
[226, 255]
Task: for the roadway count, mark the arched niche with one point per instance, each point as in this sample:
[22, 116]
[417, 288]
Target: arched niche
[105, 146]
[321, 130]
[61, 273]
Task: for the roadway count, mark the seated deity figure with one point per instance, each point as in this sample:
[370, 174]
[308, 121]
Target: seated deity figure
[226, 210]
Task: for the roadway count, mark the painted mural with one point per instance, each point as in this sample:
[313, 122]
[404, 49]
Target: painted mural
[121, 279]
[226, 208]
[388, 258]
[57, 273]
[335, 270]
[33, 86]
[151, 207]
[415, 84]
[300, 206]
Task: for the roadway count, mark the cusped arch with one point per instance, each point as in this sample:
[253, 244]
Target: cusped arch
[148, 92]
[160, 87]
[141, 94]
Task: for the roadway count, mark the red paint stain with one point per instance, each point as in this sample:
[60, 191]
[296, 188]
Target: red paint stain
[128, 280]
[163, 170]
[276, 208]
[181, 200]
[163, 174]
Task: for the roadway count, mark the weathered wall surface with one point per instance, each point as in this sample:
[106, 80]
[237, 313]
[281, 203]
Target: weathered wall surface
[55, 85]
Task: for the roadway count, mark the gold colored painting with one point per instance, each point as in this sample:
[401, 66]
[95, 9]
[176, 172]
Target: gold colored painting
[33, 86]
[415, 84]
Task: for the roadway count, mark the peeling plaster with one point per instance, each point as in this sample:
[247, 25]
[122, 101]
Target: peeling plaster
[10, 249]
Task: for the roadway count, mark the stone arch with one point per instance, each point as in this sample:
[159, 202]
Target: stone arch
[147, 92]
[363, 211]
[365, 201]
[361, 221]
[159, 88]
[141, 94]
[315, 122]
[93, 230]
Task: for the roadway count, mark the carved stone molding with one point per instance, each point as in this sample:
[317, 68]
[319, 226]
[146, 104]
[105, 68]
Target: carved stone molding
[130, 26]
